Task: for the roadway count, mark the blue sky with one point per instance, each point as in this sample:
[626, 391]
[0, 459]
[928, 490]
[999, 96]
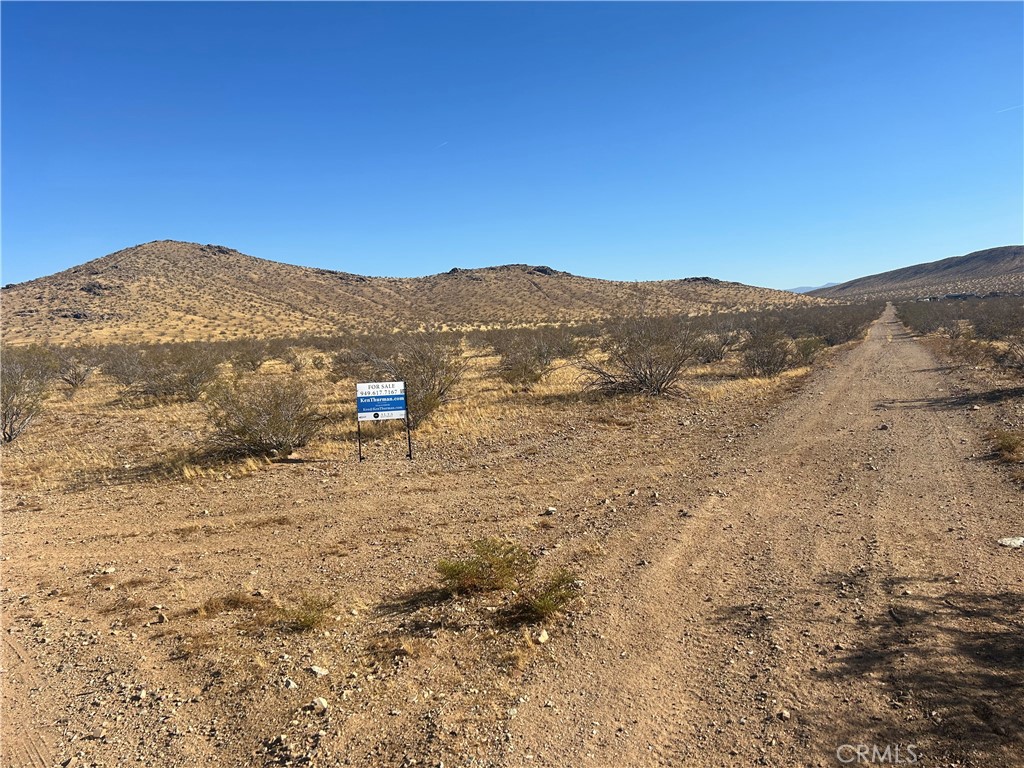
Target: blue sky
[776, 144]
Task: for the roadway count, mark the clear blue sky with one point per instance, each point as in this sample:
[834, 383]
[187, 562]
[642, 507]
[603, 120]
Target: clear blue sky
[777, 144]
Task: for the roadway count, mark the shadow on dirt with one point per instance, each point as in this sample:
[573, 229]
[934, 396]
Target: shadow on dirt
[182, 465]
[956, 401]
[421, 612]
[952, 664]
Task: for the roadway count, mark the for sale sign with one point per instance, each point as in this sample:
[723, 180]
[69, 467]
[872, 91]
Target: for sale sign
[380, 400]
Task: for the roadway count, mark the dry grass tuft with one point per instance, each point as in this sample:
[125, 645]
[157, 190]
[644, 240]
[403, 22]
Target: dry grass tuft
[1009, 445]
[233, 601]
[309, 613]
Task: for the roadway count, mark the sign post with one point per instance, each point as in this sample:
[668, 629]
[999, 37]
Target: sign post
[380, 401]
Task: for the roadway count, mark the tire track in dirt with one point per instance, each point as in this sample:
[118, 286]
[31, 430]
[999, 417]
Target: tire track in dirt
[20, 744]
[841, 588]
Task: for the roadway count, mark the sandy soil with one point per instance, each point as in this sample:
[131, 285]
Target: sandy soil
[765, 579]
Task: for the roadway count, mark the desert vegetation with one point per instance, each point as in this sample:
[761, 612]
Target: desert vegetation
[25, 375]
[495, 565]
[527, 356]
[973, 330]
[268, 397]
[263, 417]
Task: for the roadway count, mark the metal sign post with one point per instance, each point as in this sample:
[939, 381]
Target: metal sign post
[408, 435]
[380, 401]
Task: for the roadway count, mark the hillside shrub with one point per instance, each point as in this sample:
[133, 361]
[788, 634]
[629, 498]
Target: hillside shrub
[713, 347]
[164, 371]
[1013, 356]
[248, 353]
[125, 366]
[806, 349]
[526, 356]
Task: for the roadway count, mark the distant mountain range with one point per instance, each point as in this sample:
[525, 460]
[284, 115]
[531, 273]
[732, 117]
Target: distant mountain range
[809, 288]
[169, 290]
[995, 270]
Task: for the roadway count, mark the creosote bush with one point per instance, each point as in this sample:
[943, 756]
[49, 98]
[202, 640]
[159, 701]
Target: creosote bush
[527, 355]
[74, 367]
[767, 351]
[25, 374]
[806, 349]
[976, 327]
[163, 371]
[1013, 356]
[646, 355]
[248, 354]
[430, 364]
[495, 564]
[263, 417]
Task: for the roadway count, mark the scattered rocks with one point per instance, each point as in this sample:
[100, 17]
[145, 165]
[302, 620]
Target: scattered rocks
[548, 511]
[319, 705]
[318, 671]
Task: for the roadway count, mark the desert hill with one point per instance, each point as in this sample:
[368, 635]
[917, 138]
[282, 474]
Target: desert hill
[168, 290]
[995, 270]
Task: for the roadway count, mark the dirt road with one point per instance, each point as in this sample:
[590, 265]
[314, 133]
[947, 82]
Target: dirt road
[842, 587]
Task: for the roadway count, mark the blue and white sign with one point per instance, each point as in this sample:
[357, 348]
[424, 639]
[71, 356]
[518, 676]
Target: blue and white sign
[380, 400]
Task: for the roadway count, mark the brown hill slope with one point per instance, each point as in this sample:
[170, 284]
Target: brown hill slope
[998, 270]
[169, 290]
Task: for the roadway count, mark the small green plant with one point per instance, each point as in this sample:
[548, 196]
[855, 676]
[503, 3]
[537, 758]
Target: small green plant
[551, 596]
[494, 564]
